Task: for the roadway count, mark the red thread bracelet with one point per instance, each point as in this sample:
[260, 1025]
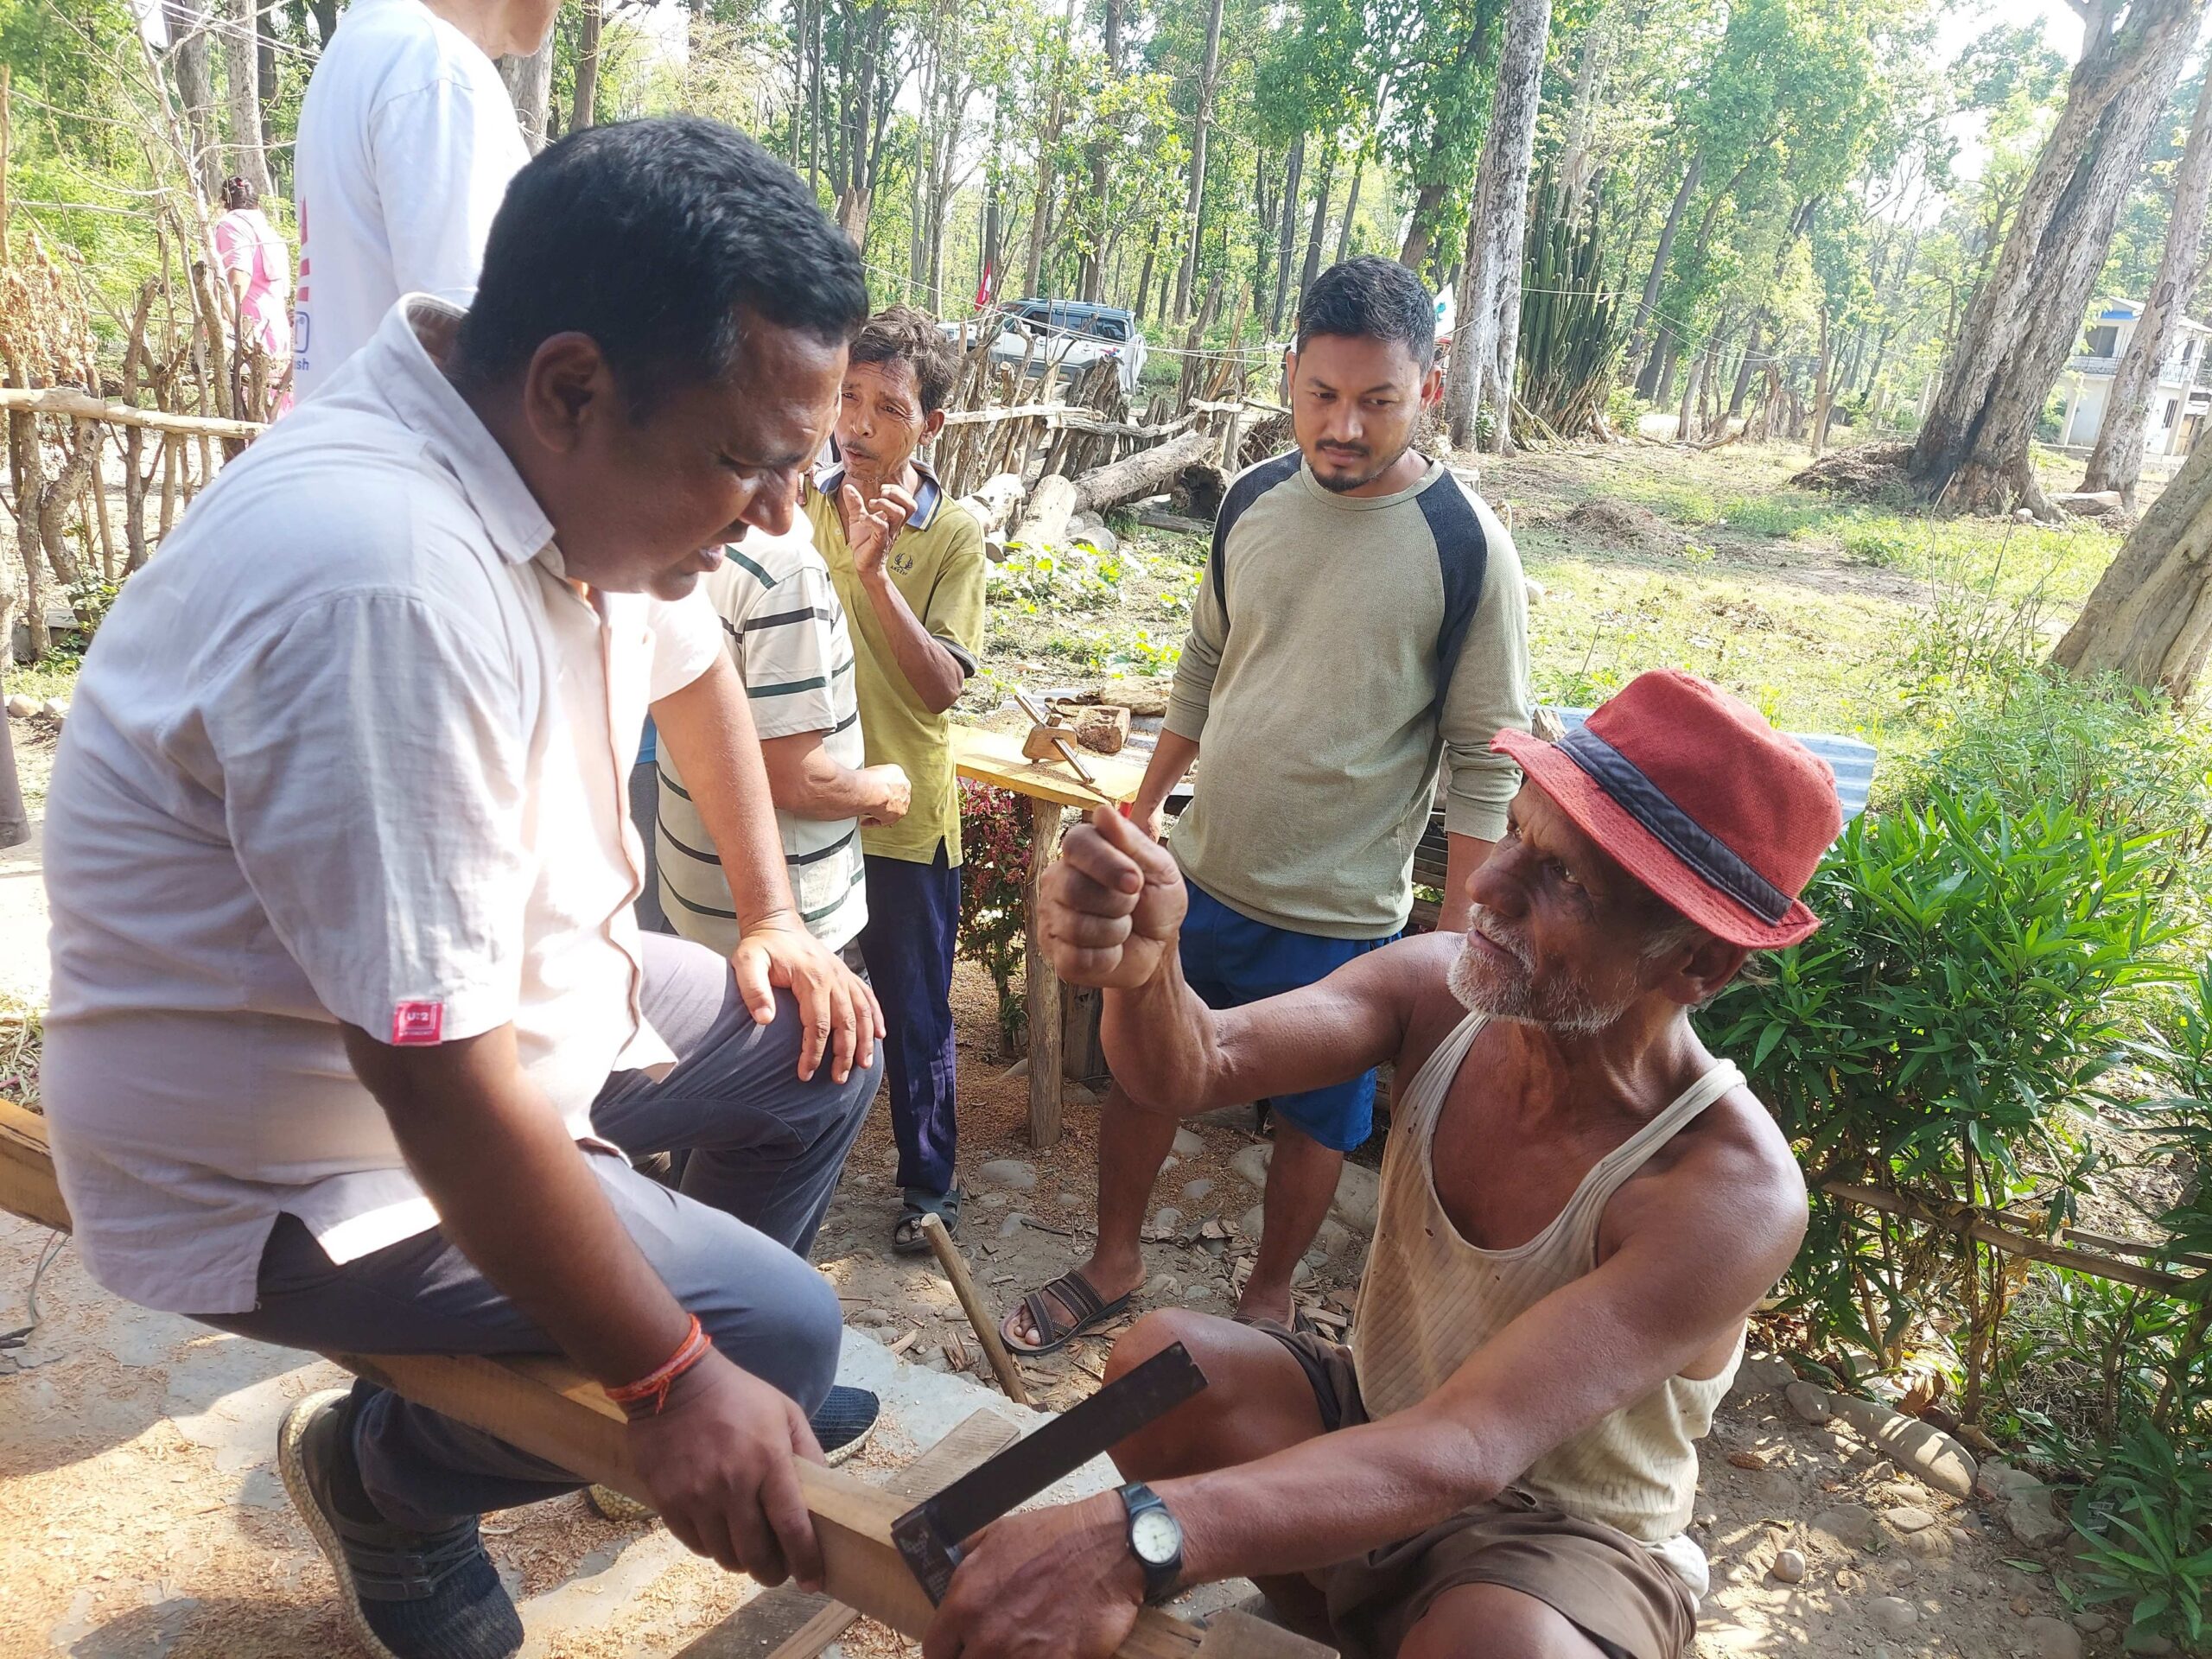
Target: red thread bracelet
[655, 1384]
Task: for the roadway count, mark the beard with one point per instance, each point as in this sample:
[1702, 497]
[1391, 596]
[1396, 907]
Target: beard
[1563, 1007]
[1369, 469]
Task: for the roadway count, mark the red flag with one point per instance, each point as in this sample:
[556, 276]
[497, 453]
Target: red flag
[983, 287]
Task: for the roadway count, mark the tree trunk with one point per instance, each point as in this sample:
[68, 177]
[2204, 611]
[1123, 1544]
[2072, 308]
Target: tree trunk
[1314, 232]
[2116, 463]
[1413, 254]
[1144, 275]
[195, 85]
[1823, 389]
[584, 111]
[529, 82]
[1745, 369]
[326, 19]
[1351, 205]
[1143, 474]
[241, 72]
[1648, 307]
[1287, 232]
[1579, 165]
[1194, 211]
[2150, 617]
[1482, 351]
[1973, 450]
[264, 51]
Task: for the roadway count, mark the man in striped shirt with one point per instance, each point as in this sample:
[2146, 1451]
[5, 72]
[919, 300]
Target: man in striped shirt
[786, 633]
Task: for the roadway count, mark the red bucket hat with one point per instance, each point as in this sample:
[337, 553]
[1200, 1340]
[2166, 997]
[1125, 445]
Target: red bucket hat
[1698, 798]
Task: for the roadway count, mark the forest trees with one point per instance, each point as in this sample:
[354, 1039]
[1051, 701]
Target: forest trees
[1972, 451]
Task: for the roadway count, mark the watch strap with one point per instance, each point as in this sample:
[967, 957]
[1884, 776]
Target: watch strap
[1160, 1577]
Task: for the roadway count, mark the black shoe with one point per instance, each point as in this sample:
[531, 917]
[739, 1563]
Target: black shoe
[407, 1595]
[845, 1422]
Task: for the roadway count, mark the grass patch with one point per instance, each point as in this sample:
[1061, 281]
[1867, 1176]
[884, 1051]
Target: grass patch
[22, 1033]
[50, 676]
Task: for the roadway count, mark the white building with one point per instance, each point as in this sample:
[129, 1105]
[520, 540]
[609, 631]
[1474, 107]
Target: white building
[2179, 403]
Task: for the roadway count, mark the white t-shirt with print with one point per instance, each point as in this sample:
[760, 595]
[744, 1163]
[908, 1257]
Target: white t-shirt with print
[407, 140]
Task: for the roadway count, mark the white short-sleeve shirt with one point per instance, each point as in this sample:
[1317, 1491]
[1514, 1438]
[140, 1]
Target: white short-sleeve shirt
[351, 748]
[407, 141]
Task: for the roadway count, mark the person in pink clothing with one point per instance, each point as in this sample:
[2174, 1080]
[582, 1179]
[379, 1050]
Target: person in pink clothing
[259, 271]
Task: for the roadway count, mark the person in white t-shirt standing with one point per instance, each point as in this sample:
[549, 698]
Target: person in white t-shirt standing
[407, 141]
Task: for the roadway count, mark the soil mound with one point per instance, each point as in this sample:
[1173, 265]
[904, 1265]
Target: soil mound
[1872, 472]
[1618, 522]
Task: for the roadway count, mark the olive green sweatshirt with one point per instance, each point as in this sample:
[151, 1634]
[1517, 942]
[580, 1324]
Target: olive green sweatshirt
[1340, 647]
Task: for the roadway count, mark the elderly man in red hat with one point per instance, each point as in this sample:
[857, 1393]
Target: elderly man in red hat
[1580, 1206]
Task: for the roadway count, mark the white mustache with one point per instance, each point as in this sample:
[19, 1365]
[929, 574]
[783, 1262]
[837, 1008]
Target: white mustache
[1504, 937]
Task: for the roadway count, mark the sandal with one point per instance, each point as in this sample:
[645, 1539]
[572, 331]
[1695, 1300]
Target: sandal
[1079, 1297]
[906, 1237]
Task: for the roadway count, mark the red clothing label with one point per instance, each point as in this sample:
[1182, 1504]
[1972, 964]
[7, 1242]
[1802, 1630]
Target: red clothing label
[418, 1023]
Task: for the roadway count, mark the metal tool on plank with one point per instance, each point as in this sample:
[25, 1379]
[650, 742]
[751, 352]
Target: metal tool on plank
[1043, 728]
[930, 1535]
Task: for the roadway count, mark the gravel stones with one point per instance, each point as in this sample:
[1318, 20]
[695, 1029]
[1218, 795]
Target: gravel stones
[1008, 1172]
[1194, 1190]
[2044, 1637]
[1907, 1517]
[1788, 1566]
[1189, 1143]
[1848, 1526]
[1891, 1615]
[1809, 1403]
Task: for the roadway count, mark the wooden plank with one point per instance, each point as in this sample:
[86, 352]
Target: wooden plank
[1040, 984]
[802, 1622]
[1233, 1634]
[68, 400]
[27, 1185]
[546, 1407]
[995, 758]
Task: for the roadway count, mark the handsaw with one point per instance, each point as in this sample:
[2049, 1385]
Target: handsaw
[930, 1535]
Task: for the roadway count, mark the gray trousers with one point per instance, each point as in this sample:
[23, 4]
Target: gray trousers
[765, 1152]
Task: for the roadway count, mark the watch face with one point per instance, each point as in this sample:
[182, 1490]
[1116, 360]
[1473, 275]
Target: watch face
[1155, 1537]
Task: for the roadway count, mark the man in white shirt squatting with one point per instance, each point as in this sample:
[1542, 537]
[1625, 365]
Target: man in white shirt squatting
[350, 1014]
[407, 140]
[1580, 1207]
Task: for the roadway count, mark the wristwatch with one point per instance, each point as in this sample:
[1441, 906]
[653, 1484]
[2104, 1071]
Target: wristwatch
[1155, 1539]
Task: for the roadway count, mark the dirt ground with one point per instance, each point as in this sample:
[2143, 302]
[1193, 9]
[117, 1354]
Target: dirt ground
[144, 1521]
[135, 1493]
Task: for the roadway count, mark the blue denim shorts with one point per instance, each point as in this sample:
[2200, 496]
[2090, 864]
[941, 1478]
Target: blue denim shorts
[1229, 960]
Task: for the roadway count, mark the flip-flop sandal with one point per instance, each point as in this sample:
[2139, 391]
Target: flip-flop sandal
[906, 1237]
[1079, 1297]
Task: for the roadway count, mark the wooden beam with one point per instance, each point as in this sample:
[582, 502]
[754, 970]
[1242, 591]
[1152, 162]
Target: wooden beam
[1041, 986]
[549, 1410]
[68, 400]
[545, 1406]
[1970, 1221]
[813, 1622]
[27, 1184]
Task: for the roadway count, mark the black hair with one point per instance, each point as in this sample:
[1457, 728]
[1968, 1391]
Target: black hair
[1370, 298]
[899, 333]
[238, 194]
[658, 239]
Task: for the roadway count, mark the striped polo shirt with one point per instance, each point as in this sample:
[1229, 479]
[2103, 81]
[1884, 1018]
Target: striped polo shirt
[786, 633]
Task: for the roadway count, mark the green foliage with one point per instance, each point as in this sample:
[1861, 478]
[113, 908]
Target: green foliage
[1939, 1034]
[995, 860]
[1572, 329]
[2146, 1522]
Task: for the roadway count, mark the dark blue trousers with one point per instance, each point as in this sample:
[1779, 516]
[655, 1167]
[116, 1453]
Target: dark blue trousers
[913, 923]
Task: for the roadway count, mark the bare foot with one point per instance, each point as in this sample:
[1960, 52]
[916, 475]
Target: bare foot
[1274, 1304]
[1110, 1281]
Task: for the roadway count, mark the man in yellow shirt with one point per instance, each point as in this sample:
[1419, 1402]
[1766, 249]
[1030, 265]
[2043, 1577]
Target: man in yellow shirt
[908, 566]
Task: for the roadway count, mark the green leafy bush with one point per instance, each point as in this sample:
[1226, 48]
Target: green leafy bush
[1936, 1035]
[2146, 1525]
[995, 859]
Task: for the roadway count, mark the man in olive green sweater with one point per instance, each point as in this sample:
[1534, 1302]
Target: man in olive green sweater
[1362, 619]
